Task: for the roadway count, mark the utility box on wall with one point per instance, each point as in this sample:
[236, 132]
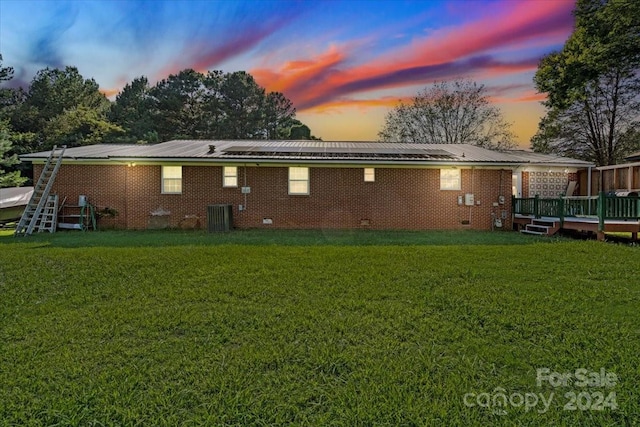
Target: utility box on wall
[219, 218]
[469, 199]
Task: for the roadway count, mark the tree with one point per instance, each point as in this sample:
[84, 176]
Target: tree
[194, 105]
[6, 74]
[178, 106]
[8, 159]
[133, 112]
[79, 126]
[8, 178]
[449, 113]
[242, 101]
[279, 116]
[54, 99]
[593, 85]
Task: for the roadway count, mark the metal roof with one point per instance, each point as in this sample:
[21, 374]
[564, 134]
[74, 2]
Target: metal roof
[217, 151]
[633, 156]
[531, 157]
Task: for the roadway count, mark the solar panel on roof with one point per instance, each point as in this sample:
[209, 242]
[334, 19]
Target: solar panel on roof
[237, 148]
[437, 152]
[318, 151]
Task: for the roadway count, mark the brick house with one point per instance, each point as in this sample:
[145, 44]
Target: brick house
[305, 184]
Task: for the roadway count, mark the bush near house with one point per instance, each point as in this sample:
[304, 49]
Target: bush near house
[313, 328]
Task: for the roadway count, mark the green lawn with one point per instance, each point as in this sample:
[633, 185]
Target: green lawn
[314, 328]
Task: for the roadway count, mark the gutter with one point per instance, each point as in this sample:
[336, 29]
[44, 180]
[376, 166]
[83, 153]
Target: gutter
[620, 166]
[203, 161]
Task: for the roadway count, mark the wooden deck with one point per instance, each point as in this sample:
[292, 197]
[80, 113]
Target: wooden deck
[599, 214]
[577, 224]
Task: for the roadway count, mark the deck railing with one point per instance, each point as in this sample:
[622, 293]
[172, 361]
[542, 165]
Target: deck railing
[581, 206]
[603, 207]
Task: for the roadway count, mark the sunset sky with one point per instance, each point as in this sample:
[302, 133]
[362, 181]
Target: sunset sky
[344, 64]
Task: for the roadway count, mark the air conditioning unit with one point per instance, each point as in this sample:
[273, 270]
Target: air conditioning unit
[219, 218]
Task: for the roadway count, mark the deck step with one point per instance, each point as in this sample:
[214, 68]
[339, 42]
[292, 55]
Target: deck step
[541, 227]
[543, 222]
[544, 229]
[538, 233]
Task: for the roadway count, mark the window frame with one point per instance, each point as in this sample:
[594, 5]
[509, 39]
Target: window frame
[164, 180]
[449, 183]
[225, 176]
[306, 180]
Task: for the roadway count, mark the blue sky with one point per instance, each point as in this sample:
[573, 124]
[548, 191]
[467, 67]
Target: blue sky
[344, 64]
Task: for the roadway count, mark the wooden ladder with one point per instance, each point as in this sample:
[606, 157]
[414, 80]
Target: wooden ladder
[33, 213]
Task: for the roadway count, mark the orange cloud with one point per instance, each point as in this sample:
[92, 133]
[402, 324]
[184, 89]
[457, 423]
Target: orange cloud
[294, 76]
[444, 54]
[109, 92]
[387, 101]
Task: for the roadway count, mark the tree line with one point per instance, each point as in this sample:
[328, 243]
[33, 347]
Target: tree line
[61, 107]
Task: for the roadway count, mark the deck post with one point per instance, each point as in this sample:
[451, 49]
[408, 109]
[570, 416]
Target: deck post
[561, 211]
[601, 211]
[536, 206]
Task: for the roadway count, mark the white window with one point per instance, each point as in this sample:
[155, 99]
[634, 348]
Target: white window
[171, 179]
[230, 176]
[298, 180]
[450, 179]
[369, 175]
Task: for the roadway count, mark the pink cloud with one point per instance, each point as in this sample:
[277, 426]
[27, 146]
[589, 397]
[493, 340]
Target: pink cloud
[300, 75]
[206, 55]
[530, 96]
[336, 105]
[441, 55]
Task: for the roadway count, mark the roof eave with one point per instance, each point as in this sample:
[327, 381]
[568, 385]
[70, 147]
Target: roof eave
[312, 161]
[257, 160]
[620, 166]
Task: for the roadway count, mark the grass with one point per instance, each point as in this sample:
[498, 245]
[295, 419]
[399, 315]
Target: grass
[310, 328]
[164, 238]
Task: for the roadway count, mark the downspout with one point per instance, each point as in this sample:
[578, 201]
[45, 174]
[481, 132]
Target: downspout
[245, 184]
[126, 196]
[472, 192]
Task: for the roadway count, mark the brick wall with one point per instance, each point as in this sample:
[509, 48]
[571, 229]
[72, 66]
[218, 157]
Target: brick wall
[525, 185]
[400, 198]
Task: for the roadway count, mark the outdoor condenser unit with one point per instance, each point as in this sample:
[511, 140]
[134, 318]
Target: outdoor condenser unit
[219, 218]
